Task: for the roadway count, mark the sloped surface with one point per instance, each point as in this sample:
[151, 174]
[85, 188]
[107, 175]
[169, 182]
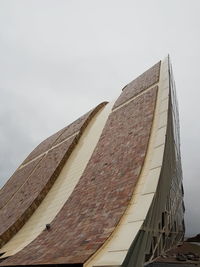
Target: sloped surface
[29, 191]
[103, 192]
[137, 86]
[16, 181]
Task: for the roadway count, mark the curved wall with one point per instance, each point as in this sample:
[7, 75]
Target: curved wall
[63, 186]
[115, 211]
[25, 190]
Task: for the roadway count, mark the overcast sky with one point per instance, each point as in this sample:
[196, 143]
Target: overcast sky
[60, 58]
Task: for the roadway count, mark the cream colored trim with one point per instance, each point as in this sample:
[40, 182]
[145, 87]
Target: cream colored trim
[114, 250]
[134, 97]
[44, 153]
[41, 155]
[63, 187]
[32, 160]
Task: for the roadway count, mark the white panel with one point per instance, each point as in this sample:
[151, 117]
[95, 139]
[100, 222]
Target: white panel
[111, 258]
[160, 137]
[165, 94]
[151, 181]
[141, 208]
[127, 235]
[157, 157]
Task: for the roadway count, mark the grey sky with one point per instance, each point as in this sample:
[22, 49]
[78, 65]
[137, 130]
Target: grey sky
[60, 58]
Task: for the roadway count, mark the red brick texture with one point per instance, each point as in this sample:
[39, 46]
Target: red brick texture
[103, 192]
[144, 81]
[43, 146]
[16, 181]
[61, 135]
[29, 185]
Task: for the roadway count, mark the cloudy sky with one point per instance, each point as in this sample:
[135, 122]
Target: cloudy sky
[60, 58]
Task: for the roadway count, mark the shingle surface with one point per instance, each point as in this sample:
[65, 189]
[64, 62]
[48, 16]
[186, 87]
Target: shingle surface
[62, 134]
[28, 186]
[16, 180]
[144, 81]
[101, 197]
[43, 146]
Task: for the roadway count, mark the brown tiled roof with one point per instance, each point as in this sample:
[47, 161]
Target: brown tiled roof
[29, 185]
[104, 190]
[144, 81]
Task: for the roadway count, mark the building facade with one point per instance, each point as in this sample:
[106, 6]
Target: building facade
[105, 190]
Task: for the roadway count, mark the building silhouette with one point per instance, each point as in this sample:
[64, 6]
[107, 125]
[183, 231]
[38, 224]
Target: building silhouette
[105, 190]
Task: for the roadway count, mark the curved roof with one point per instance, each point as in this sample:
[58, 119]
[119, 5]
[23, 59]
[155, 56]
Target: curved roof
[81, 180]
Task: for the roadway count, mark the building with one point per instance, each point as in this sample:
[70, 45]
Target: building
[105, 190]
